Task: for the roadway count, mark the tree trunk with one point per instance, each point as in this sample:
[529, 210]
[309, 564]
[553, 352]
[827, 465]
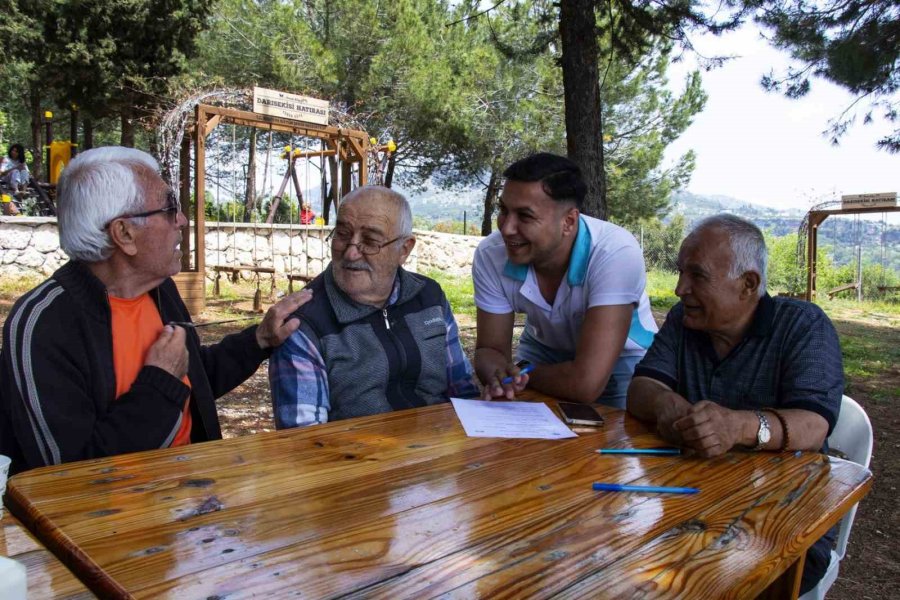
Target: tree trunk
[250, 191]
[73, 129]
[490, 199]
[37, 116]
[88, 126]
[127, 128]
[389, 172]
[581, 91]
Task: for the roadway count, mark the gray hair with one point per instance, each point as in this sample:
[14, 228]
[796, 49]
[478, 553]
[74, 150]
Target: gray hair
[95, 188]
[747, 245]
[401, 205]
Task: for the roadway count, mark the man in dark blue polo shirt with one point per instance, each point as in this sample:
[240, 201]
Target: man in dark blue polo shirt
[733, 367]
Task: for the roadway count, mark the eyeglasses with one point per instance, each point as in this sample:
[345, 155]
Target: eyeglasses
[340, 241]
[171, 209]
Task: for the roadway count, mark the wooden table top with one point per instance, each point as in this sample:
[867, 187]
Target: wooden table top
[47, 577]
[404, 505]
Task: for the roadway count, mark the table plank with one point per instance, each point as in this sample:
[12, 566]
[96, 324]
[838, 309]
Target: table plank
[47, 577]
[405, 505]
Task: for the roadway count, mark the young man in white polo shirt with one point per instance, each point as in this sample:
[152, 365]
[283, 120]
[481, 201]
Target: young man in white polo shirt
[580, 282]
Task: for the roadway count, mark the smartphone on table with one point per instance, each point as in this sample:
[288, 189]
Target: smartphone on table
[579, 414]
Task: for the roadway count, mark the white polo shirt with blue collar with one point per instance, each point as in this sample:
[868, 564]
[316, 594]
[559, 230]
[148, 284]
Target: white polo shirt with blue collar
[606, 268]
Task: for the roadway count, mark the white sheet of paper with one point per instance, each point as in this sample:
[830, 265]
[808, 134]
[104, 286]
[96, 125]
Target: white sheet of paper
[535, 420]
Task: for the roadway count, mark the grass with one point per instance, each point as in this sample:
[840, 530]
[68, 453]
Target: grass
[459, 289]
[661, 289]
[18, 285]
[867, 356]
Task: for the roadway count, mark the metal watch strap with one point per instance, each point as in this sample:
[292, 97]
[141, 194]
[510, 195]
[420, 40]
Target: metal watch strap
[764, 433]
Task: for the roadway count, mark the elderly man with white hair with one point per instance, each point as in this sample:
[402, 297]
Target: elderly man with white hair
[733, 367]
[375, 337]
[94, 361]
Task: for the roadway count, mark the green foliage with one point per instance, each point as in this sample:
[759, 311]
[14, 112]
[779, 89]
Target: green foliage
[456, 227]
[661, 242]
[661, 288]
[459, 289]
[784, 274]
[111, 59]
[851, 43]
[226, 212]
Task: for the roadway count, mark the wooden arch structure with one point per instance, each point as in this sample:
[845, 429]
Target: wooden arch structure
[816, 218]
[350, 146]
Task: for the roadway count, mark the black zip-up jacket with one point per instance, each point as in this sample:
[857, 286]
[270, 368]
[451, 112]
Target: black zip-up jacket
[57, 380]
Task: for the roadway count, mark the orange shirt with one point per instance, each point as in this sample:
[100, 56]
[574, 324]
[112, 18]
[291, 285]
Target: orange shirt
[136, 325]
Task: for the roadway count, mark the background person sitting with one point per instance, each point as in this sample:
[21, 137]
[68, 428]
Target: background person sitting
[13, 170]
[307, 216]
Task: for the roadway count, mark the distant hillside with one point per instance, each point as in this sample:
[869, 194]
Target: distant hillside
[434, 204]
[839, 235]
[695, 206]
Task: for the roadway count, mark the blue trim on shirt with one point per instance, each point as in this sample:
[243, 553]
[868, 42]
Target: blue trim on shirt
[639, 334]
[581, 254]
[578, 261]
[514, 271]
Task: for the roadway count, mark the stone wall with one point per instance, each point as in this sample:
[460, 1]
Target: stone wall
[30, 246]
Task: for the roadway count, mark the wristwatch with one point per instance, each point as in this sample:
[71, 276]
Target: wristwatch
[764, 434]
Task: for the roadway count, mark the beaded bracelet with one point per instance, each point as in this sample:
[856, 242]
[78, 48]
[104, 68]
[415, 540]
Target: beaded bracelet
[785, 432]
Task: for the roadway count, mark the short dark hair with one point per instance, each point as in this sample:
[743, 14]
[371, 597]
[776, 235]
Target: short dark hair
[20, 149]
[560, 177]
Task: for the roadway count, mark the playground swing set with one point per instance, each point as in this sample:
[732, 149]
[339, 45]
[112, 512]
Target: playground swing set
[856, 204]
[350, 149]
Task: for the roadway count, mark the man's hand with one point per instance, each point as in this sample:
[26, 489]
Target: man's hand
[169, 352]
[710, 429]
[494, 389]
[670, 408]
[274, 329]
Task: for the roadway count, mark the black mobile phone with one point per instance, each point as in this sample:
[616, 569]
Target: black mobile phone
[579, 414]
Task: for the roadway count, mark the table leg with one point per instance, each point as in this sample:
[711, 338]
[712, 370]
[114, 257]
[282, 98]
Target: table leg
[788, 583]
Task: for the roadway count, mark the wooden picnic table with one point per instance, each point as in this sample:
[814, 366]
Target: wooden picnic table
[48, 579]
[404, 505]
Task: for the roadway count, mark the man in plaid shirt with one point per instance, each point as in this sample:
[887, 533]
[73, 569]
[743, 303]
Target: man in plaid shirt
[375, 337]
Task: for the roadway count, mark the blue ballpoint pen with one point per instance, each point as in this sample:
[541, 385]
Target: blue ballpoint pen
[522, 371]
[658, 451]
[616, 487]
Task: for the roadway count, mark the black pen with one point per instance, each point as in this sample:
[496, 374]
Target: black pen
[189, 325]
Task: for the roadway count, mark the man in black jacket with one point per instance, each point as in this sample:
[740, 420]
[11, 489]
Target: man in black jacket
[93, 363]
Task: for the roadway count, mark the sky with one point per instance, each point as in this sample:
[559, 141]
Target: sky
[762, 147]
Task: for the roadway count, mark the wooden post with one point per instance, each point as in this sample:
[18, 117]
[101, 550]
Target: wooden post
[200, 188]
[346, 177]
[184, 195]
[812, 242]
[363, 165]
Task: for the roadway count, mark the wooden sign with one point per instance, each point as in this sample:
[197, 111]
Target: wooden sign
[290, 106]
[886, 200]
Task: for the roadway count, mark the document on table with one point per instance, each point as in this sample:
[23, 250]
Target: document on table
[535, 420]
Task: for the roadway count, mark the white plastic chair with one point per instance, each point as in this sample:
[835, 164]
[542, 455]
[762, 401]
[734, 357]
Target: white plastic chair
[852, 436]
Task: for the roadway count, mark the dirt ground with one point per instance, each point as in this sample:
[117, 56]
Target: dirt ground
[871, 570]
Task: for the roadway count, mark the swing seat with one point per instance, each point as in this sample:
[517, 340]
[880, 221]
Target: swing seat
[842, 288]
[235, 272]
[292, 277]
